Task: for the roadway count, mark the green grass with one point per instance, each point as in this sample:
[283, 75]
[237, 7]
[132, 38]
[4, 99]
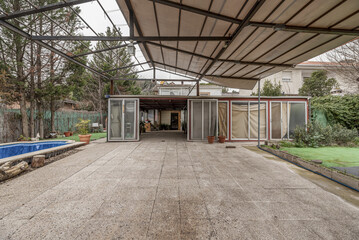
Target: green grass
[331, 156]
[94, 136]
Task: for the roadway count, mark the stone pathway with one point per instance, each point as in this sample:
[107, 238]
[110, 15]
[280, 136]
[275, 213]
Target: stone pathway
[166, 188]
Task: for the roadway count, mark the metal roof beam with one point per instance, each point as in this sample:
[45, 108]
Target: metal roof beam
[124, 67]
[234, 78]
[198, 11]
[45, 45]
[288, 28]
[99, 51]
[128, 38]
[222, 60]
[41, 9]
[181, 69]
[159, 80]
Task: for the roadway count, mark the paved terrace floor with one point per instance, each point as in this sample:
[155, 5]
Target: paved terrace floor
[172, 189]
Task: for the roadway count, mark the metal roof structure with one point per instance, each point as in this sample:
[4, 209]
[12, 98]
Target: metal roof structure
[232, 43]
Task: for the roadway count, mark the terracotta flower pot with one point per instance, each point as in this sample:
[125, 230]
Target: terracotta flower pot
[85, 138]
[67, 134]
[71, 133]
[210, 139]
[221, 139]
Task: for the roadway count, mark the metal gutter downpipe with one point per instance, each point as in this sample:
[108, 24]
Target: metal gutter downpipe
[259, 113]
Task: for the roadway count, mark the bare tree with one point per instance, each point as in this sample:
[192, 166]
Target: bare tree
[346, 58]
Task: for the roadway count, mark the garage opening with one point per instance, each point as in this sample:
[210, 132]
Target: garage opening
[163, 118]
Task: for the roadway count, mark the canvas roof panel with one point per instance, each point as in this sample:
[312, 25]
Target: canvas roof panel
[248, 40]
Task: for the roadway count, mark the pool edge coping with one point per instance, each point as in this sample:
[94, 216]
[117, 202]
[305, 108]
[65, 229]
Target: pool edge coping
[71, 144]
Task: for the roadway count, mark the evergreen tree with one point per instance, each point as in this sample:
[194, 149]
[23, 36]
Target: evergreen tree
[317, 85]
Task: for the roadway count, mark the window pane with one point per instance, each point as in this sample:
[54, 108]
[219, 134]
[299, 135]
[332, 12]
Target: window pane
[285, 120]
[254, 120]
[296, 117]
[206, 119]
[240, 120]
[276, 120]
[130, 108]
[222, 118]
[213, 127]
[115, 119]
[197, 120]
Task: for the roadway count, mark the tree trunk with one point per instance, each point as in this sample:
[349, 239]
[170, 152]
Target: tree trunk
[40, 115]
[100, 99]
[52, 75]
[20, 75]
[32, 93]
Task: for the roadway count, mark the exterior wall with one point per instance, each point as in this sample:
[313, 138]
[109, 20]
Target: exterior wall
[183, 90]
[268, 102]
[166, 117]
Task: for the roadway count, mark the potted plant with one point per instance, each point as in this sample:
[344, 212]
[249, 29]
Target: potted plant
[221, 139]
[67, 134]
[212, 137]
[83, 128]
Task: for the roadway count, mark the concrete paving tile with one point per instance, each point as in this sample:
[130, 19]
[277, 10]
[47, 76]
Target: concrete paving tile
[287, 211]
[235, 210]
[9, 226]
[160, 228]
[167, 193]
[190, 193]
[113, 228]
[295, 229]
[135, 193]
[131, 209]
[193, 209]
[197, 229]
[165, 210]
[335, 229]
[239, 229]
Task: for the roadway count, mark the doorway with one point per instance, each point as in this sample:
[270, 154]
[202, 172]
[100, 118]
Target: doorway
[174, 121]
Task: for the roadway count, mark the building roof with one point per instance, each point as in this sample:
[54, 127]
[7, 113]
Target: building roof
[234, 43]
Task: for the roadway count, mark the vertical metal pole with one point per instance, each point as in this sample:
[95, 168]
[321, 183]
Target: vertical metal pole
[131, 24]
[259, 113]
[154, 75]
[197, 88]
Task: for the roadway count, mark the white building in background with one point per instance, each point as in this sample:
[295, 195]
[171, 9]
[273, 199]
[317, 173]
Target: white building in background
[292, 79]
[184, 89]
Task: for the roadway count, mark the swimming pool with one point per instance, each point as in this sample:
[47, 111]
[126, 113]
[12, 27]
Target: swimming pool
[10, 150]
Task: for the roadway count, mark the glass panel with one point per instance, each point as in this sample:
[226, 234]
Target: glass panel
[130, 115]
[296, 117]
[213, 127]
[222, 118]
[276, 120]
[240, 120]
[197, 120]
[285, 120]
[115, 119]
[254, 120]
[206, 120]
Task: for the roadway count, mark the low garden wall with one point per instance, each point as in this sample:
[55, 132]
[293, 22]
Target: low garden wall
[332, 174]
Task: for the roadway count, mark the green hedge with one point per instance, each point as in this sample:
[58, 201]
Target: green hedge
[338, 109]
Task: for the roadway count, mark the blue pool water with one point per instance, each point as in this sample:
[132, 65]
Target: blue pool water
[21, 148]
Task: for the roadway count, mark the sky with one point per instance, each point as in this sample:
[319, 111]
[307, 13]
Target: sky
[96, 18]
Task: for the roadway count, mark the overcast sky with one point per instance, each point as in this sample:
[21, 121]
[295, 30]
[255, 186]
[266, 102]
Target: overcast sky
[93, 14]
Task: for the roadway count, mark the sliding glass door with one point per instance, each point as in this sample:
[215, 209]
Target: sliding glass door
[123, 121]
[204, 119]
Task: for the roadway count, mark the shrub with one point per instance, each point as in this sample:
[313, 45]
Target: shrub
[316, 135]
[83, 126]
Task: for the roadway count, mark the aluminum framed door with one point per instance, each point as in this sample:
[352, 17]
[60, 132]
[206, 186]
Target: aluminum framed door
[123, 119]
[203, 118]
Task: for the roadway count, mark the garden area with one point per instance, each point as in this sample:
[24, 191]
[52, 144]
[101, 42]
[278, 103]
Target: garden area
[75, 137]
[331, 139]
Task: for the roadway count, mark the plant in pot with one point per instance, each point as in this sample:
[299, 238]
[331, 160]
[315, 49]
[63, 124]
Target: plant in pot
[67, 134]
[83, 128]
[221, 139]
[212, 137]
